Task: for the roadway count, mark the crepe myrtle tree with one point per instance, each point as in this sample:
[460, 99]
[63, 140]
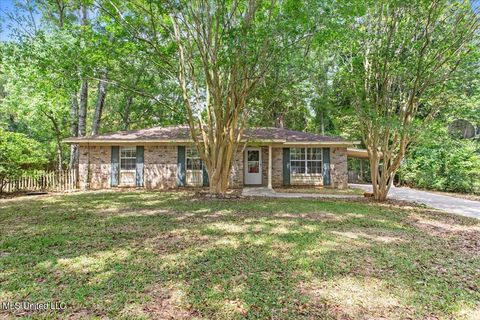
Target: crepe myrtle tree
[224, 50]
[397, 61]
[218, 52]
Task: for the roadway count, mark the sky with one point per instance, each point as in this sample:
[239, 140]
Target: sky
[5, 6]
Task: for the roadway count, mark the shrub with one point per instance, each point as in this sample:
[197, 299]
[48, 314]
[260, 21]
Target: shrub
[441, 163]
[19, 155]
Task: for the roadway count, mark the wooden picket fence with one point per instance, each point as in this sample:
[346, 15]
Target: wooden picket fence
[64, 180]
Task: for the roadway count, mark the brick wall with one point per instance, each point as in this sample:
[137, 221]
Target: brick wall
[99, 159]
[277, 166]
[338, 168]
[160, 167]
[236, 176]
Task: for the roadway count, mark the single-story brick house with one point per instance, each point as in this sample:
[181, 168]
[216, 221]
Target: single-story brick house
[165, 157]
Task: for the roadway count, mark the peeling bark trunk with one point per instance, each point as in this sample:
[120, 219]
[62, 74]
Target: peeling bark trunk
[391, 80]
[101, 95]
[218, 130]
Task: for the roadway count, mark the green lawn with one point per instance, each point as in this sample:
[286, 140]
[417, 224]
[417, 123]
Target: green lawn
[159, 255]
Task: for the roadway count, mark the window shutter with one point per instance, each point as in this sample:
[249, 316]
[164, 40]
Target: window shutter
[205, 176]
[326, 166]
[181, 170]
[139, 167]
[115, 166]
[286, 166]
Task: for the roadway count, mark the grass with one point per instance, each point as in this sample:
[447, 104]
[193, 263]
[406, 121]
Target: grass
[156, 255]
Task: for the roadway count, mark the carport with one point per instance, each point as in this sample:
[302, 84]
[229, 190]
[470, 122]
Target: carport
[358, 166]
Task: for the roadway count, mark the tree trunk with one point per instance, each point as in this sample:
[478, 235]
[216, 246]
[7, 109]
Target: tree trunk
[279, 118]
[82, 115]
[60, 6]
[220, 175]
[322, 122]
[383, 172]
[126, 113]
[218, 129]
[74, 131]
[102, 93]
[12, 126]
[59, 149]
[58, 139]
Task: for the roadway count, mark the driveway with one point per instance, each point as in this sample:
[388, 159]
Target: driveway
[449, 204]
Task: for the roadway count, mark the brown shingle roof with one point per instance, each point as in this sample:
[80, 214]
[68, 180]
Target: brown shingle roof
[182, 133]
[287, 135]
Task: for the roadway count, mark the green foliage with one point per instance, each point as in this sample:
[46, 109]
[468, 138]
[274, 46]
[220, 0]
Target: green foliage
[441, 163]
[18, 155]
[315, 76]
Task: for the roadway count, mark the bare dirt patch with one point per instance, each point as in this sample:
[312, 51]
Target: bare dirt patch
[459, 232]
[167, 243]
[380, 237]
[352, 298]
[166, 303]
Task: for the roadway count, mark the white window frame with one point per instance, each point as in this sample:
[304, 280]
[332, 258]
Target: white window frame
[307, 161]
[187, 156]
[128, 157]
[294, 150]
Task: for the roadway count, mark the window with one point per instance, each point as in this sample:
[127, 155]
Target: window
[193, 159]
[253, 161]
[314, 160]
[297, 160]
[306, 160]
[128, 158]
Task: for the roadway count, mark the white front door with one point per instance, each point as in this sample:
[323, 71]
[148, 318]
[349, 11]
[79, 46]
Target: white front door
[253, 166]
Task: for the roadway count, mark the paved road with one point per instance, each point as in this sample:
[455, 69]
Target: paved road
[463, 207]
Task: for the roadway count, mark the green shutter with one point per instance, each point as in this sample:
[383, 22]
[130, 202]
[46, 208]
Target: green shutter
[139, 167]
[205, 175]
[326, 166]
[115, 169]
[286, 166]
[181, 171]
